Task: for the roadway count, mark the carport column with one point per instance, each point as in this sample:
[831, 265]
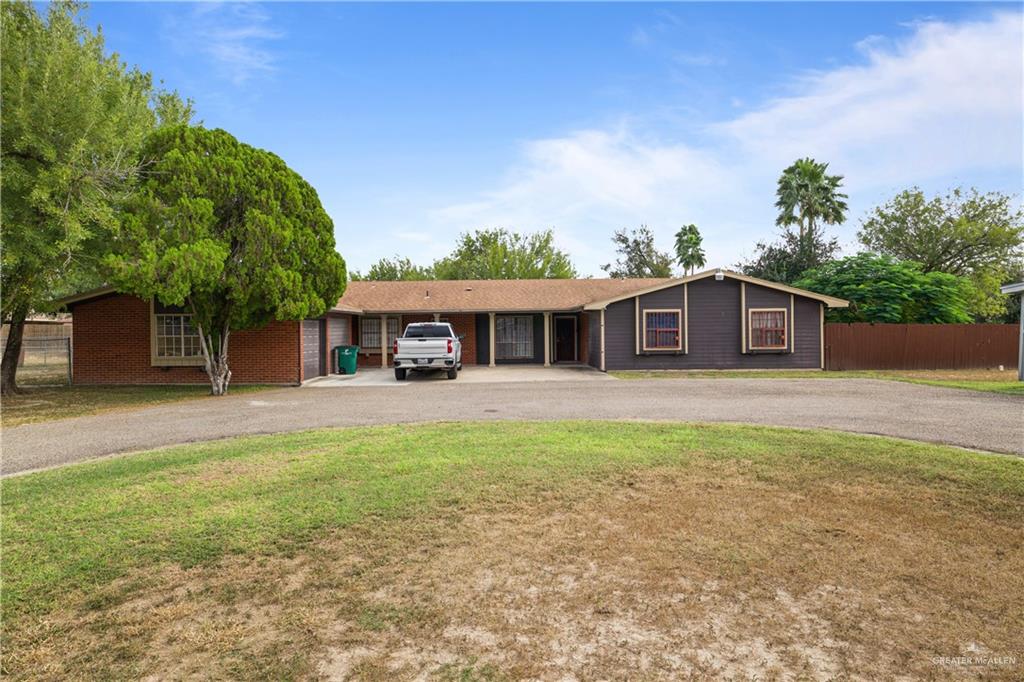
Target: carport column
[437, 317]
[490, 340]
[384, 341]
[602, 339]
[547, 339]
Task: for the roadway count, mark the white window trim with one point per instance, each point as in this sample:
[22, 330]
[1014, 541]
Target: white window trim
[785, 322]
[157, 361]
[679, 329]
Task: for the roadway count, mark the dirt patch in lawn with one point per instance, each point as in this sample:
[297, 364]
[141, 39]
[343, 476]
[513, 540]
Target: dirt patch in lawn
[707, 572]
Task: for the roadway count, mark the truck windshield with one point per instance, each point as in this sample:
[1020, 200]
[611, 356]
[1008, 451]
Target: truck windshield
[427, 331]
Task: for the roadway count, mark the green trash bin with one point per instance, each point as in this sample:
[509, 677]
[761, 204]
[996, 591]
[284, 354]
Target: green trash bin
[345, 359]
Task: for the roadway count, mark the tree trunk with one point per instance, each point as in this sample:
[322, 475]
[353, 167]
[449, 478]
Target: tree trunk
[216, 361]
[220, 375]
[12, 352]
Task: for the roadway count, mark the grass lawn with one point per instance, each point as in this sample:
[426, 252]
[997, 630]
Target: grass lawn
[518, 550]
[990, 380]
[40, 403]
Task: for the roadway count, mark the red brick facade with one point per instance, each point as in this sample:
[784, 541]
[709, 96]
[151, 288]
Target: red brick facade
[111, 345]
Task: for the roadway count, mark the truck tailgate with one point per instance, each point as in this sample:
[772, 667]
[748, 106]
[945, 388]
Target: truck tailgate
[423, 348]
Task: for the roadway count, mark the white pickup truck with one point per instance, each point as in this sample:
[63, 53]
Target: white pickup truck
[428, 345]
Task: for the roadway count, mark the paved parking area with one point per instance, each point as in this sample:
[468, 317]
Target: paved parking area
[469, 375]
[972, 419]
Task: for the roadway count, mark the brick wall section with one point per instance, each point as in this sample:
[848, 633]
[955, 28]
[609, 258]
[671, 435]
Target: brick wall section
[111, 345]
[465, 324]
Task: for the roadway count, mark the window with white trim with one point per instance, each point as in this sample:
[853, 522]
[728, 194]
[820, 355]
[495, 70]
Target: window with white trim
[768, 328]
[661, 330]
[175, 336]
[513, 337]
[369, 333]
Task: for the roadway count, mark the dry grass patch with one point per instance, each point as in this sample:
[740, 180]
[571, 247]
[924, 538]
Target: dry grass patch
[43, 402]
[987, 380]
[705, 552]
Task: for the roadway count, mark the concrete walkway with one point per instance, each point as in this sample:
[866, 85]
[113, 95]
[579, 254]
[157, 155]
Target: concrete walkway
[502, 374]
[970, 419]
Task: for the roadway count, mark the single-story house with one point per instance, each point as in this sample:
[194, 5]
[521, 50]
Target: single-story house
[711, 320]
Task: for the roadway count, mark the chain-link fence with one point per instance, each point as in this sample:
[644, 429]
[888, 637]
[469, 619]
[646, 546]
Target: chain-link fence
[44, 360]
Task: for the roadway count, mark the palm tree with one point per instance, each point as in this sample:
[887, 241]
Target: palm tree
[689, 253]
[806, 195]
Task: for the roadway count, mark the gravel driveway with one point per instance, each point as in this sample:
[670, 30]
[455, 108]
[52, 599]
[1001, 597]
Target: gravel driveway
[970, 419]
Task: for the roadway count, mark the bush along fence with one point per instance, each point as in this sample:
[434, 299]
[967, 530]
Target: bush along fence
[919, 346]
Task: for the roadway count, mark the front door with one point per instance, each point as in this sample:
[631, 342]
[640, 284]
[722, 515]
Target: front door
[565, 339]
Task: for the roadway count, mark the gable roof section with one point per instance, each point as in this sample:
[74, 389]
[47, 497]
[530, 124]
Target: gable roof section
[830, 301]
[485, 295]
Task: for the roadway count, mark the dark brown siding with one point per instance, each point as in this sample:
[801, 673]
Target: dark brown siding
[594, 339]
[483, 338]
[920, 346]
[714, 329]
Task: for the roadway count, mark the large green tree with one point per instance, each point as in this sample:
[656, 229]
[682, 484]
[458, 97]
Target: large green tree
[638, 256]
[808, 199]
[230, 233]
[787, 259]
[73, 122]
[965, 232]
[397, 269]
[689, 249]
[500, 254]
[883, 289]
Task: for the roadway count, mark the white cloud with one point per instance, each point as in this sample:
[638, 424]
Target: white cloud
[948, 99]
[235, 36]
[943, 105]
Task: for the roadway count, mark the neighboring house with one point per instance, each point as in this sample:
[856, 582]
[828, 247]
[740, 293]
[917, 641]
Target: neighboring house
[711, 320]
[1018, 289]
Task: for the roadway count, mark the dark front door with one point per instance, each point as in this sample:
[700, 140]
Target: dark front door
[565, 339]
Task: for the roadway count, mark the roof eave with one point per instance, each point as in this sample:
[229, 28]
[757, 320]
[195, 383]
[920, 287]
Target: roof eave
[470, 311]
[830, 301]
[83, 296]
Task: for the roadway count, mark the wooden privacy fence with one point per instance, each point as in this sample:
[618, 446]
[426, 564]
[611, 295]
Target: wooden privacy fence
[919, 346]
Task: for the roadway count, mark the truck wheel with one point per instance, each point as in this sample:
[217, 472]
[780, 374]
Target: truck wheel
[453, 373]
[399, 374]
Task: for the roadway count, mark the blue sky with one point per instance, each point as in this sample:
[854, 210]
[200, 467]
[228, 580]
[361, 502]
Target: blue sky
[416, 122]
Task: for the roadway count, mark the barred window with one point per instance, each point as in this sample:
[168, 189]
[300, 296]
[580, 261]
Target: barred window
[768, 329]
[176, 337]
[513, 337]
[661, 330]
[369, 332]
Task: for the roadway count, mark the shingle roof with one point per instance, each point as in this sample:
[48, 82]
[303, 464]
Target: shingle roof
[485, 295]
